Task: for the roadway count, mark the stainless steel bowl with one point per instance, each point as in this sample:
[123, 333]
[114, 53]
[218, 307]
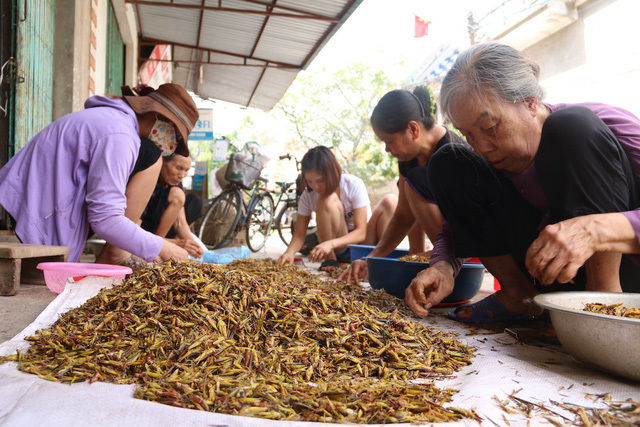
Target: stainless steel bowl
[611, 343]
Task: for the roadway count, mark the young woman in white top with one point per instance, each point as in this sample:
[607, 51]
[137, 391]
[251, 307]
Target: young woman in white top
[342, 208]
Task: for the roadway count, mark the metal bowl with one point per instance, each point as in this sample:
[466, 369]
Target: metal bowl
[612, 343]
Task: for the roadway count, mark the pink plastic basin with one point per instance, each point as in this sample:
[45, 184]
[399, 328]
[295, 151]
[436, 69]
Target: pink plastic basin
[56, 274]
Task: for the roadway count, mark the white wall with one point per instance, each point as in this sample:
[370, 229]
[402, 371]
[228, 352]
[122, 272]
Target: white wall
[101, 47]
[595, 59]
[72, 55]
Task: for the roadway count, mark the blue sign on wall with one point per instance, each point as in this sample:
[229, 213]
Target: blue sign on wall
[203, 130]
[201, 135]
[198, 182]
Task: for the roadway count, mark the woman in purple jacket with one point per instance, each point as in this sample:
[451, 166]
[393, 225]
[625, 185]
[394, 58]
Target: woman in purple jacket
[547, 196]
[89, 170]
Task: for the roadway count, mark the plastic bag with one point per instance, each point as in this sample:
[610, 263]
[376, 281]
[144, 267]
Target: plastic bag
[243, 170]
[221, 182]
[198, 241]
[224, 255]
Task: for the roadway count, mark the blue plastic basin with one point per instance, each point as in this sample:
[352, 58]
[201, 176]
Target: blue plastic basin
[395, 276]
[361, 251]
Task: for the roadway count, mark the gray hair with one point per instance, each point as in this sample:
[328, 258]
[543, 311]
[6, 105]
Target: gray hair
[491, 69]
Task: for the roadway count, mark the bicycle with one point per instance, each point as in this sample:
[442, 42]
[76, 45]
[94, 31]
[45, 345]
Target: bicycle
[235, 209]
[284, 221]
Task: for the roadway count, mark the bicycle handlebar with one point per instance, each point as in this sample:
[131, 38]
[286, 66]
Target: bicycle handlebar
[288, 156]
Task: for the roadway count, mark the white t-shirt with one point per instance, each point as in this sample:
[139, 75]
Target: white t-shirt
[353, 195]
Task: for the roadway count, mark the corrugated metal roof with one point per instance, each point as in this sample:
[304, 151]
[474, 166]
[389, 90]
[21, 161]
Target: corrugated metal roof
[269, 40]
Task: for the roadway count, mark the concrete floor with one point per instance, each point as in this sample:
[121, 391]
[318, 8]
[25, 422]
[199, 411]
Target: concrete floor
[18, 311]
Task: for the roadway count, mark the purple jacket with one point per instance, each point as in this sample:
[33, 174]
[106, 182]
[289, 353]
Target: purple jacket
[73, 175]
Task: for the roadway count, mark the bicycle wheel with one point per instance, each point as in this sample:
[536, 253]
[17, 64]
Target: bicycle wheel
[195, 227]
[285, 221]
[221, 219]
[259, 220]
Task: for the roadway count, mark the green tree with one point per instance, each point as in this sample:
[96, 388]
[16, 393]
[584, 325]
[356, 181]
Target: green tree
[333, 109]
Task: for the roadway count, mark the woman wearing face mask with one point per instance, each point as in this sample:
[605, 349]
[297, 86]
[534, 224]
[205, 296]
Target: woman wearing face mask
[405, 122]
[170, 212]
[547, 195]
[341, 204]
[89, 169]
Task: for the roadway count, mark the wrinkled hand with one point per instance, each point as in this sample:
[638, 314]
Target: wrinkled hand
[321, 252]
[193, 248]
[429, 287]
[171, 251]
[357, 271]
[286, 258]
[560, 250]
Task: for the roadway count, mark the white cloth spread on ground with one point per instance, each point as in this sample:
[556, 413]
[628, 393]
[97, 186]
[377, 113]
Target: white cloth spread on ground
[500, 367]
[353, 195]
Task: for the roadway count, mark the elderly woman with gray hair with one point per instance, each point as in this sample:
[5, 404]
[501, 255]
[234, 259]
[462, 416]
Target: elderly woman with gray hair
[546, 195]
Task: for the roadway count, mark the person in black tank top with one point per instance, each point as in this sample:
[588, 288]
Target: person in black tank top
[405, 121]
[169, 211]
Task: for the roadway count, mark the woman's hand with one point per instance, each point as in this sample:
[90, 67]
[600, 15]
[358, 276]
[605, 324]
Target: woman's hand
[560, 250]
[286, 258]
[429, 287]
[171, 251]
[357, 271]
[321, 252]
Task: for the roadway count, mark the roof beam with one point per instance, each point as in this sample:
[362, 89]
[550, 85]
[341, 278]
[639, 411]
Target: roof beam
[288, 8]
[139, 21]
[147, 41]
[199, 24]
[347, 9]
[255, 45]
[231, 64]
[253, 92]
[197, 85]
[302, 15]
[264, 24]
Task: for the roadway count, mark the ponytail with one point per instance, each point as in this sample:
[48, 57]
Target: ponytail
[397, 108]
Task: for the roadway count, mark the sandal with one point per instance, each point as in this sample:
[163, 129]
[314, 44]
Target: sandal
[328, 265]
[487, 310]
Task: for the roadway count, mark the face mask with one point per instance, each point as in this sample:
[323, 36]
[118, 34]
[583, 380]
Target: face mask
[163, 134]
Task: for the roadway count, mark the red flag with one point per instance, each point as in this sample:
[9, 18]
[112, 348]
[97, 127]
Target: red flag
[421, 27]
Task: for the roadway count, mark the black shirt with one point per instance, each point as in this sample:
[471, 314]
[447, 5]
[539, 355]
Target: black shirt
[416, 175]
[448, 138]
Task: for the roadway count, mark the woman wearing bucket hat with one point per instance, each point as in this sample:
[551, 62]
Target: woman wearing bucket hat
[96, 169]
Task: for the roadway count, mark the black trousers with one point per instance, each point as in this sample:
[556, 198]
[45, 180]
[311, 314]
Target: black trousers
[158, 204]
[581, 168]
[192, 210]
